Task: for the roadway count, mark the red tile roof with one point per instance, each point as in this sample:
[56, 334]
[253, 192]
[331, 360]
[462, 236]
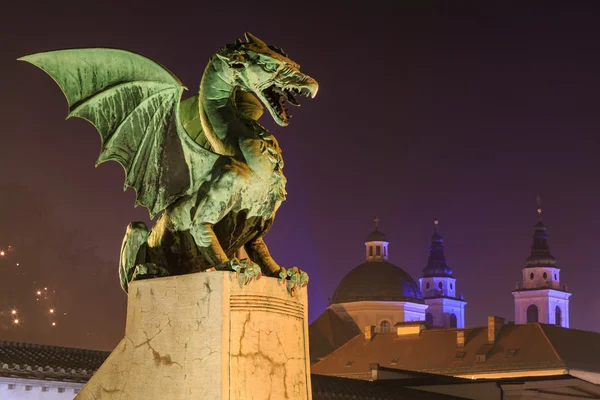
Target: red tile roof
[517, 348]
[328, 332]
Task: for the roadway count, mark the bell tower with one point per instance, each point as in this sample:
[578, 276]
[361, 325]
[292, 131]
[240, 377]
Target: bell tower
[438, 286]
[540, 296]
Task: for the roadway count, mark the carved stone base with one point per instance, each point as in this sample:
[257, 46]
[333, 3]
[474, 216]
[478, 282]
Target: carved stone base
[204, 336]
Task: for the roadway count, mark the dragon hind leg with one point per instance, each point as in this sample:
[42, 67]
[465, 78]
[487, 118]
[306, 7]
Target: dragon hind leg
[211, 250]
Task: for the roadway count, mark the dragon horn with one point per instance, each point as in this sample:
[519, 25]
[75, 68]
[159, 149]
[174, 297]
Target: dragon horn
[250, 38]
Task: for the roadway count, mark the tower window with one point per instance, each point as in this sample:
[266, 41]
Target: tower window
[555, 277]
[371, 250]
[440, 285]
[451, 287]
[532, 313]
[545, 276]
[427, 285]
[558, 316]
[453, 321]
[429, 318]
[384, 327]
[378, 251]
[531, 276]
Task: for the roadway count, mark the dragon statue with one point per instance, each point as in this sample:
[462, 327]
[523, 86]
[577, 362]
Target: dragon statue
[205, 164]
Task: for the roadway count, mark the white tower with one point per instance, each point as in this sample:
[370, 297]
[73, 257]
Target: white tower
[438, 286]
[540, 298]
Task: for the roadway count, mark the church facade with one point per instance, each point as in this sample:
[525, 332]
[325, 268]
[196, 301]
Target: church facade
[379, 297]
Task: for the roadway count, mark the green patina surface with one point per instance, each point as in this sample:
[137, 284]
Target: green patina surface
[205, 165]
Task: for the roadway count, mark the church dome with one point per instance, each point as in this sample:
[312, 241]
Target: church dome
[376, 236]
[377, 281]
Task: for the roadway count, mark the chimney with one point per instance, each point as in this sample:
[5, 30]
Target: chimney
[460, 338]
[369, 332]
[374, 371]
[494, 327]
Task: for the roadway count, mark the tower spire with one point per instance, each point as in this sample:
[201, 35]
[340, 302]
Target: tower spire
[540, 250]
[437, 264]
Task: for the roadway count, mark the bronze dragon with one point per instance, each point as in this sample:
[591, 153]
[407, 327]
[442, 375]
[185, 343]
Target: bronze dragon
[205, 164]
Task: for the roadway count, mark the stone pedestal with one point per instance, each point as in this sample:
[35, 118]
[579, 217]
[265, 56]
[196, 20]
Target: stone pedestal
[205, 336]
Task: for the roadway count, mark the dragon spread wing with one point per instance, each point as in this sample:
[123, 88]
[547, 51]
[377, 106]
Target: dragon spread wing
[135, 105]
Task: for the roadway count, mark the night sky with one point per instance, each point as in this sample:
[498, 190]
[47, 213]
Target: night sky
[461, 113]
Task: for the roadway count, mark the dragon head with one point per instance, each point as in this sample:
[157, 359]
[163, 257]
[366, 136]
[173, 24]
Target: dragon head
[268, 73]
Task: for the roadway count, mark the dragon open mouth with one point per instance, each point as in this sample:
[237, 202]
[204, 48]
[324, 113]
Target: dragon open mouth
[276, 98]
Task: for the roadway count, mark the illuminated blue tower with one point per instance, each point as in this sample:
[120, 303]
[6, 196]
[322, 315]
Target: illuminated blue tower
[438, 286]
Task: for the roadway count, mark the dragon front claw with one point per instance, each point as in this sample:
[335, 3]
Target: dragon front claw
[295, 279]
[247, 268]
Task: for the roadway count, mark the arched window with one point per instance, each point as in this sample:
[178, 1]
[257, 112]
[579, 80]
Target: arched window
[384, 327]
[440, 285]
[453, 321]
[532, 313]
[558, 316]
[429, 318]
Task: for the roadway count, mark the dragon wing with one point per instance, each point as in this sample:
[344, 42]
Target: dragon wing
[135, 104]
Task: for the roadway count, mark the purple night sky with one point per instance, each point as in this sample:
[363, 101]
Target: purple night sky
[460, 113]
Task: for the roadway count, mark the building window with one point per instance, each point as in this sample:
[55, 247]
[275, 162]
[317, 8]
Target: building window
[440, 285]
[558, 316]
[545, 276]
[44, 389]
[532, 313]
[11, 386]
[453, 321]
[378, 251]
[371, 250]
[511, 353]
[384, 327]
[61, 390]
[555, 277]
[531, 276]
[385, 251]
[28, 387]
[429, 318]
[451, 286]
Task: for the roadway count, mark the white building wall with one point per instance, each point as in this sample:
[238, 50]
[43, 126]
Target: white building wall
[434, 286]
[546, 301]
[533, 277]
[442, 308]
[365, 313]
[32, 389]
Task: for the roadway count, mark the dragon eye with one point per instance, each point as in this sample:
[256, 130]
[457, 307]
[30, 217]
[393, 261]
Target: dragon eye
[271, 67]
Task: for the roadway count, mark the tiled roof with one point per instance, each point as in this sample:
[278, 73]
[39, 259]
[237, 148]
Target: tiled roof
[40, 362]
[328, 332]
[517, 348]
[334, 388]
[35, 361]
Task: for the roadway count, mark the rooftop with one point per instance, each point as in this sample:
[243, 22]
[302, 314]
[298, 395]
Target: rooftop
[516, 348]
[36, 361]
